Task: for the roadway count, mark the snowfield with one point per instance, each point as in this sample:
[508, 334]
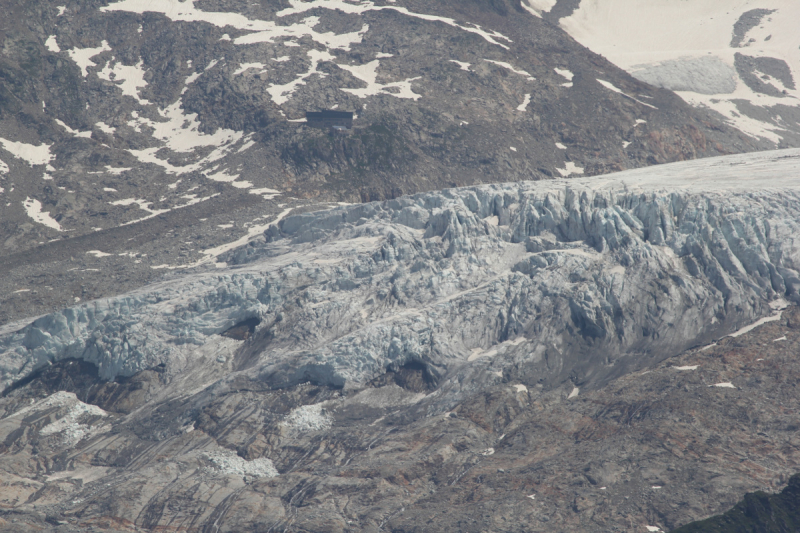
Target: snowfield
[716, 54]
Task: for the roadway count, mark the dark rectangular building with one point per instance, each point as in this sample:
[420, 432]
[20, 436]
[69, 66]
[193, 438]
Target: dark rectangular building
[329, 119]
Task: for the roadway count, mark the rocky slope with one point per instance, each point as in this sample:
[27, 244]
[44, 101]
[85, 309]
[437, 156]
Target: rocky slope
[517, 357]
[757, 512]
[155, 132]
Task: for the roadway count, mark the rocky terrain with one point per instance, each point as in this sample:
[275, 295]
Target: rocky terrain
[139, 136]
[615, 353]
[757, 512]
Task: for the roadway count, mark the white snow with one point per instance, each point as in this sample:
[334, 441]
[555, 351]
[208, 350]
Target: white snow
[513, 149]
[179, 132]
[520, 388]
[524, 105]
[265, 192]
[109, 189]
[51, 44]
[61, 10]
[653, 529]
[116, 170]
[779, 306]
[574, 393]
[84, 134]
[105, 128]
[780, 339]
[686, 47]
[461, 64]
[245, 66]
[227, 462]
[246, 146]
[725, 385]
[382, 55]
[128, 78]
[610, 86]
[368, 74]
[692, 367]
[560, 146]
[511, 68]
[282, 59]
[98, 253]
[4, 167]
[571, 168]
[33, 208]
[564, 73]
[308, 418]
[487, 452]
[280, 94]
[537, 7]
[82, 56]
[34, 155]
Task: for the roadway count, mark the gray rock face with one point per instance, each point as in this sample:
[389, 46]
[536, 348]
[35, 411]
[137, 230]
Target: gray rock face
[551, 281]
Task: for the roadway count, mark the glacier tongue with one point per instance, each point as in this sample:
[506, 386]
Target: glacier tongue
[589, 278]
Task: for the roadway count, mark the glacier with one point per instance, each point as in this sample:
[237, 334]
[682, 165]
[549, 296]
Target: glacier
[545, 282]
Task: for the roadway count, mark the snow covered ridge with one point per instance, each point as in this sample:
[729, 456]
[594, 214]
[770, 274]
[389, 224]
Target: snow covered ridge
[740, 58]
[587, 276]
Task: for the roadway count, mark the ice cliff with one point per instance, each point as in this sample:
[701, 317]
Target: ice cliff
[578, 280]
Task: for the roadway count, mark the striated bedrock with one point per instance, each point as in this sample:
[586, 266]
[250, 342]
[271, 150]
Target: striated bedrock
[545, 282]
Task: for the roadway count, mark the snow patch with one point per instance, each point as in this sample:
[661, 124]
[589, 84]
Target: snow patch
[130, 79]
[82, 56]
[33, 155]
[574, 393]
[33, 208]
[524, 105]
[570, 168]
[105, 128]
[564, 73]
[692, 367]
[281, 94]
[265, 192]
[52, 45]
[511, 68]
[537, 7]
[725, 385]
[368, 74]
[98, 253]
[84, 134]
[461, 64]
[611, 87]
[245, 66]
